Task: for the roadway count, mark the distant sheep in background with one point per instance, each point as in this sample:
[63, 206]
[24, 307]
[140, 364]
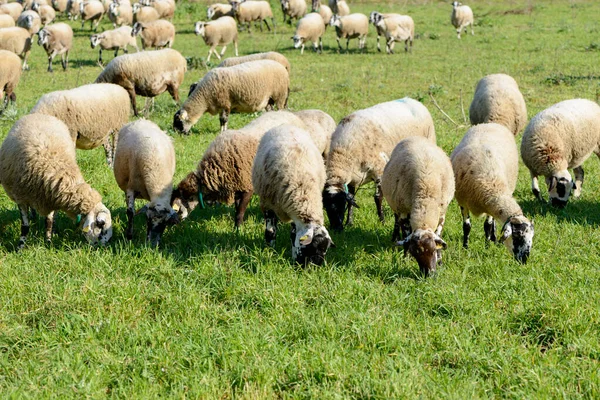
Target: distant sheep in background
[18, 41]
[93, 11]
[339, 7]
[293, 9]
[219, 32]
[218, 10]
[353, 26]
[157, 34]
[56, 39]
[271, 55]
[10, 73]
[310, 28]
[394, 28]
[323, 10]
[461, 17]
[115, 39]
[248, 11]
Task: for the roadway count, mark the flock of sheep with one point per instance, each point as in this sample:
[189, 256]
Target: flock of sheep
[298, 163]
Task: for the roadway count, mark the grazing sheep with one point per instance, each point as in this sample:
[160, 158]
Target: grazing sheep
[293, 9]
[12, 9]
[486, 165]
[147, 73]
[557, 139]
[323, 10]
[18, 41]
[47, 13]
[59, 5]
[248, 11]
[120, 13]
[115, 39]
[339, 7]
[395, 28]
[310, 28]
[93, 11]
[31, 21]
[218, 10]
[91, 112]
[498, 99]
[271, 55]
[243, 88]
[288, 176]
[56, 39]
[351, 26]
[144, 13]
[73, 9]
[219, 32]
[418, 184]
[224, 174]
[6, 21]
[144, 168]
[157, 34]
[361, 146]
[10, 73]
[461, 17]
[38, 170]
[165, 9]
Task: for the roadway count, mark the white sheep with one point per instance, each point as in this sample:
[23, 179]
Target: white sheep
[248, 11]
[486, 165]
[73, 9]
[10, 73]
[6, 21]
[271, 55]
[219, 32]
[56, 39]
[361, 147]
[557, 139]
[115, 39]
[310, 28]
[147, 73]
[224, 174]
[323, 10]
[165, 8]
[144, 168]
[461, 17]
[144, 13]
[288, 176]
[91, 112]
[12, 9]
[418, 184]
[244, 88]
[46, 12]
[38, 170]
[293, 9]
[353, 26]
[120, 13]
[497, 99]
[339, 7]
[395, 28]
[157, 34]
[59, 5]
[218, 10]
[93, 11]
[31, 21]
[18, 41]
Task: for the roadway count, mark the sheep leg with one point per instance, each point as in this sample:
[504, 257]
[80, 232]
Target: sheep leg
[209, 53]
[339, 45]
[302, 49]
[235, 47]
[350, 217]
[24, 210]
[50, 58]
[224, 118]
[108, 150]
[579, 174]
[321, 45]
[267, 24]
[472, 31]
[270, 227]
[100, 57]
[49, 226]
[242, 199]
[82, 23]
[148, 106]
[489, 227]
[131, 92]
[396, 231]
[458, 32]
[65, 60]
[390, 46]
[130, 200]
[379, 201]
[173, 91]
[222, 52]
[348, 44]
[535, 187]
[378, 46]
[466, 226]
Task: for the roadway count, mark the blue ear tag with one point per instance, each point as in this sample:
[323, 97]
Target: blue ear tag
[78, 218]
[201, 200]
[345, 188]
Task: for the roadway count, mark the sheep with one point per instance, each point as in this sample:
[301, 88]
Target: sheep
[147, 73]
[293, 9]
[218, 10]
[497, 99]
[224, 174]
[157, 34]
[120, 14]
[271, 55]
[395, 28]
[310, 28]
[144, 168]
[56, 39]
[219, 32]
[165, 9]
[115, 39]
[59, 5]
[339, 7]
[47, 13]
[288, 176]
[6, 21]
[144, 13]
[486, 165]
[12, 9]
[323, 10]
[31, 21]
[557, 139]
[91, 112]
[38, 170]
[461, 17]
[243, 88]
[247, 11]
[93, 11]
[73, 9]
[18, 41]
[418, 184]
[10, 73]
[361, 146]
[351, 27]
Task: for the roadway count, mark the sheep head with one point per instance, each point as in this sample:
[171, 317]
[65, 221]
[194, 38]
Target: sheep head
[200, 28]
[184, 198]
[559, 188]
[335, 21]
[43, 36]
[298, 41]
[95, 40]
[517, 237]
[182, 122]
[426, 247]
[336, 201]
[210, 12]
[375, 17]
[310, 244]
[137, 28]
[158, 216]
[97, 225]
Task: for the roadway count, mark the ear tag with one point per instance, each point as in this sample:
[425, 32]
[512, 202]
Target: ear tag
[303, 238]
[78, 218]
[175, 207]
[201, 200]
[86, 229]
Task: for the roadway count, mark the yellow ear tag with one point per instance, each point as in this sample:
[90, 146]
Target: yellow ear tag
[304, 238]
[86, 229]
[439, 246]
[175, 207]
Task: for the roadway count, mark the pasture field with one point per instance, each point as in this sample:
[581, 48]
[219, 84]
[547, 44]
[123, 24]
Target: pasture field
[212, 313]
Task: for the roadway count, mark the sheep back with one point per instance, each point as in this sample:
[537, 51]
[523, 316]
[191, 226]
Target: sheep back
[320, 125]
[16, 40]
[271, 55]
[221, 31]
[310, 27]
[6, 21]
[353, 26]
[10, 72]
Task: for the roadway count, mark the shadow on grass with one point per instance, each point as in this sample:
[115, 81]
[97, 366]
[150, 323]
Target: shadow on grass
[576, 211]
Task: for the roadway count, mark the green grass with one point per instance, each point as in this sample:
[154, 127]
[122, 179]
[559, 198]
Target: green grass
[213, 313]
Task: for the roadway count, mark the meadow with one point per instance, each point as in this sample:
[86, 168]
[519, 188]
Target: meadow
[213, 313]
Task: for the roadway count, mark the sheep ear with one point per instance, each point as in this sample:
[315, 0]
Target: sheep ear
[553, 182]
[351, 201]
[440, 244]
[305, 236]
[506, 232]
